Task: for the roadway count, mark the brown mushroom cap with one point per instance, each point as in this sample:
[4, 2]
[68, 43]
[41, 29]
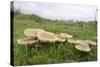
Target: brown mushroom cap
[32, 32]
[64, 35]
[26, 41]
[91, 42]
[84, 48]
[46, 36]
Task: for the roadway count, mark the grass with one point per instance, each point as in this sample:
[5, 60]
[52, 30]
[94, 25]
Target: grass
[51, 53]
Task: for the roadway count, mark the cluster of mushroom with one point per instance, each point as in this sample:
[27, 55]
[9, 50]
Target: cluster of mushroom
[82, 45]
[36, 35]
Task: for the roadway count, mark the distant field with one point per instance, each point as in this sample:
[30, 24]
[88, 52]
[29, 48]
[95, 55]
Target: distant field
[52, 54]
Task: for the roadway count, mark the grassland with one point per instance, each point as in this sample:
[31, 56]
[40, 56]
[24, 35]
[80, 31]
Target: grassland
[52, 54]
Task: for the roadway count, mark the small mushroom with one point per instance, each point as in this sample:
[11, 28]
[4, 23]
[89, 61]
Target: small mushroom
[46, 36]
[82, 47]
[71, 41]
[32, 32]
[91, 42]
[86, 41]
[26, 41]
[74, 41]
[64, 35]
[60, 39]
[80, 41]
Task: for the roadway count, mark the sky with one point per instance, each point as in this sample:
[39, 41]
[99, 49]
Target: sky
[57, 11]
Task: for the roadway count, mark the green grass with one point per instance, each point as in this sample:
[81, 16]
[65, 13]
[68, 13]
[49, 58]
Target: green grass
[50, 53]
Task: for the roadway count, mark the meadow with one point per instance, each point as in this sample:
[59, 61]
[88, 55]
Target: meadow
[51, 53]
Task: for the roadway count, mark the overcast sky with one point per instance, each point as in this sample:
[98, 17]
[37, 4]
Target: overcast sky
[57, 11]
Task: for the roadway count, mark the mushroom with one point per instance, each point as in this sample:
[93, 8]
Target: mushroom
[83, 47]
[26, 41]
[86, 41]
[46, 36]
[80, 41]
[74, 41]
[71, 41]
[60, 39]
[64, 35]
[91, 42]
[32, 32]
